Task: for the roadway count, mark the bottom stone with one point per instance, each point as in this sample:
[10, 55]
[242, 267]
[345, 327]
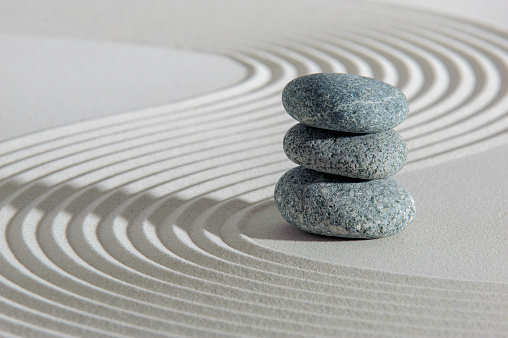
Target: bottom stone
[338, 206]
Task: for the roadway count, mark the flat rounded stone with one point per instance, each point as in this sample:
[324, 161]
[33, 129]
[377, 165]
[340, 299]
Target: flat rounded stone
[367, 156]
[338, 206]
[345, 102]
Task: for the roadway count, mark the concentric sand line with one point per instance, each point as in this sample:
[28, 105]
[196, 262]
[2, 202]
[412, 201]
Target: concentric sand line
[144, 223]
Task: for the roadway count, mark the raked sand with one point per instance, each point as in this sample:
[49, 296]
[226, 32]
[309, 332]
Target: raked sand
[160, 220]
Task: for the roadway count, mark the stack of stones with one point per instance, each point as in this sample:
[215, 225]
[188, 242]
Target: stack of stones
[347, 150]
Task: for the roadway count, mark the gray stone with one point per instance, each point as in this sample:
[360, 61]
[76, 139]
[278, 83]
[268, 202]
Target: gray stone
[367, 156]
[343, 207]
[345, 102]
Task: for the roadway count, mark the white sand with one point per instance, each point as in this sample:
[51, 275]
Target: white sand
[160, 221]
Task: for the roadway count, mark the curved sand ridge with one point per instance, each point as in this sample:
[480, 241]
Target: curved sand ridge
[134, 224]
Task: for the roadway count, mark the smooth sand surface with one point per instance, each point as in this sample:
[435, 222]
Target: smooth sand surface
[50, 81]
[457, 232]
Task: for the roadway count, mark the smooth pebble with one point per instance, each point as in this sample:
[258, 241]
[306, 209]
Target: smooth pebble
[345, 102]
[367, 156]
[333, 205]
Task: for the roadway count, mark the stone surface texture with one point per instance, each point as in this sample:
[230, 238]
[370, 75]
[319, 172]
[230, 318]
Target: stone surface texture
[366, 156]
[343, 207]
[345, 102]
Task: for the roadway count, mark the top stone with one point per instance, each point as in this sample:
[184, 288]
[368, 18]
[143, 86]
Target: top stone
[345, 102]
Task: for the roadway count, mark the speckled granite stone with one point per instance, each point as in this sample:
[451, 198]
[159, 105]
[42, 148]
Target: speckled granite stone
[343, 207]
[367, 156]
[345, 102]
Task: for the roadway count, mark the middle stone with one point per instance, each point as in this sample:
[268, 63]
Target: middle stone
[365, 156]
